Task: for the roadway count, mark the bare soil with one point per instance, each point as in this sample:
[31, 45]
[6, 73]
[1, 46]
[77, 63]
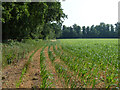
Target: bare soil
[12, 73]
[32, 77]
[53, 40]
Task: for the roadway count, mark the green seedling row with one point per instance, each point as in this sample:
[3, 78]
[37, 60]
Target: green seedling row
[64, 72]
[94, 65]
[25, 68]
[46, 75]
[50, 53]
[84, 63]
[70, 80]
[43, 71]
[95, 61]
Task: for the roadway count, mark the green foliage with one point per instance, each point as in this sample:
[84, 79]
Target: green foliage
[99, 31]
[95, 61]
[83, 62]
[44, 73]
[25, 68]
[13, 51]
[23, 20]
[52, 58]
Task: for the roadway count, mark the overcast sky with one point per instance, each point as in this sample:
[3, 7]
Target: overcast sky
[89, 12]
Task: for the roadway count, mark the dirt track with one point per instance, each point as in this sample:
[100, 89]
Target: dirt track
[12, 73]
[32, 77]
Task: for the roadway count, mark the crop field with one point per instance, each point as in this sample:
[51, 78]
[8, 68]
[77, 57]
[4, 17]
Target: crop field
[67, 63]
[94, 60]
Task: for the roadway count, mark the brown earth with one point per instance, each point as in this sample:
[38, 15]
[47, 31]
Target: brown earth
[32, 77]
[53, 40]
[12, 73]
[50, 67]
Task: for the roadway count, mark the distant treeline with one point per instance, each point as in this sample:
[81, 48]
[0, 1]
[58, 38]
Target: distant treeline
[95, 31]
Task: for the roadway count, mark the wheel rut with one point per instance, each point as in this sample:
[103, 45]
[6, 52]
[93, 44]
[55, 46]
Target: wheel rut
[32, 77]
[12, 73]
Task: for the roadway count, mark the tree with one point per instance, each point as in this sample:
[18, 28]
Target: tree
[27, 19]
[84, 31]
[95, 31]
[77, 30]
[87, 31]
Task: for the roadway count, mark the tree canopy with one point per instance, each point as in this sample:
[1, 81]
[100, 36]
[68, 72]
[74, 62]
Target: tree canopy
[31, 19]
[43, 20]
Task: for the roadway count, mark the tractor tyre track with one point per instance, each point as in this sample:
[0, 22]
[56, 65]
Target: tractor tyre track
[32, 77]
[12, 73]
